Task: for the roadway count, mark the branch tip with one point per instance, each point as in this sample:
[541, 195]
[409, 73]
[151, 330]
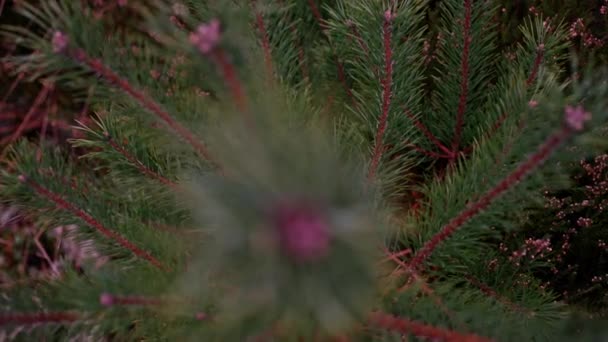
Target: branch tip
[106, 299]
[388, 15]
[576, 117]
[386, 83]
[64, 204]
[464, 82]
[60, 42]
[206, 37]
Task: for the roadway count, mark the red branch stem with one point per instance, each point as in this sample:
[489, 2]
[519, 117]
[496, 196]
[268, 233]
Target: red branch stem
[110, 76]
[386, 97]
[23, 318]
[429, 153]
[301, 53]
[540, 52]
[342, 79]
[110, 300]
[423, 284]
[62, 203]
[406, 326]
[138, 164]
[535, 160]
[341, 74]
[491, 293]
[230, 77]
[317, 14]
[12, 88]
[501, 119]
[42, 95]
[428, 133]
[358, 38]
[259, 18]
[464, 74]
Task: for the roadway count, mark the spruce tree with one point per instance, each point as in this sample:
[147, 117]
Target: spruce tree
[299, 170]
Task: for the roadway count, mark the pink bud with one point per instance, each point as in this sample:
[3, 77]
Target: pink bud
[206, 36]
[388, 15]
[106, 299]
[60, 41]
[576, 117]
[303, 232]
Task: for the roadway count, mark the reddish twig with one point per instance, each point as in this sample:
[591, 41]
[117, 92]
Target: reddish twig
[317, 14]
[387, 83]
[491, 293]
[259, 19]
[428, 133]
[426, 289]
[107, 299]
[112, 235]
[137, 163]
[44, 254]
[501, 119]
[464, 81]
[23, 318]
[358, 38]
[12, 87]
[341, 74]
[60, 45]
[230, 77]
[301, 53]
[33, 110]
[540, 52]
[206, 38]
[535, 160]
[343, 81]
[9, 120]
[429, 153]
[397, 254]
[406, 326]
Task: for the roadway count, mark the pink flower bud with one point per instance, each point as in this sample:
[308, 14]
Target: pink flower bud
[206, 36]
[303, 232]
[576, 117]
[388, 15]
[106, 299]
[60, 41]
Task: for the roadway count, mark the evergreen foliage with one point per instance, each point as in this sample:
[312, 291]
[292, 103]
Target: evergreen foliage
[300, 170]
